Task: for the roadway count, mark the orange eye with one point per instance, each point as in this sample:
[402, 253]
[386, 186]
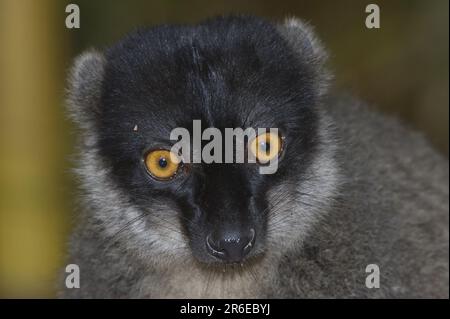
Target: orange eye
[265, 147]
[162, 164]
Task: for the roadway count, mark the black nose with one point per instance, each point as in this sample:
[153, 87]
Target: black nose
[230, 246]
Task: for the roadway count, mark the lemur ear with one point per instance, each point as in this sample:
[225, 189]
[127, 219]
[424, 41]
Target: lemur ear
[84, 88]
[304, 42]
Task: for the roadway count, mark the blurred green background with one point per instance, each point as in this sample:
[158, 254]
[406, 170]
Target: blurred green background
[402, 69]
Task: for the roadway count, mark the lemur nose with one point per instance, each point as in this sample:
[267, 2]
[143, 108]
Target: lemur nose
[230, 247]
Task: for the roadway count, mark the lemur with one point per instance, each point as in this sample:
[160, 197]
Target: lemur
[353, 187]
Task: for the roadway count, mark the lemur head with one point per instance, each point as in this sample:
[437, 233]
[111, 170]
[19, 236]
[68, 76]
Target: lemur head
[232, 72]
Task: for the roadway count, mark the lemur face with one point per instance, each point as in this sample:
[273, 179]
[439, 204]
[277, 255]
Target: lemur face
[227, 73]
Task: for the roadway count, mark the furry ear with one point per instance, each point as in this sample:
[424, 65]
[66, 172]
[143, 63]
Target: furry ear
[303, 41]
[85, 86]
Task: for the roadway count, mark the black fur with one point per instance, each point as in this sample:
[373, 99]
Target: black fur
[233, 72]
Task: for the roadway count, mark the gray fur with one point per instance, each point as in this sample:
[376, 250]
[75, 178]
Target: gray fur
[85, 80]
[393, 211]
[376, 193]
[300, 36]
